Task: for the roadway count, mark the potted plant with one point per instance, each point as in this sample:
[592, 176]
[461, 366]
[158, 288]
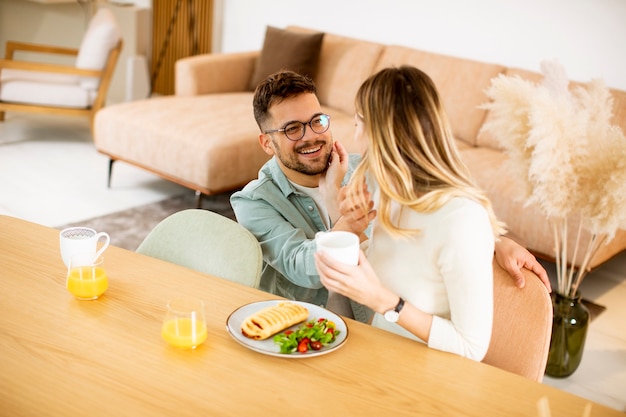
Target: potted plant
[571, 161]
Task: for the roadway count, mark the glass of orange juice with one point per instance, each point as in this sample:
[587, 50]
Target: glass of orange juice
[86, 277]
[185, 324]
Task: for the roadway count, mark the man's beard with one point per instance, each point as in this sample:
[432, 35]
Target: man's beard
[295, 164]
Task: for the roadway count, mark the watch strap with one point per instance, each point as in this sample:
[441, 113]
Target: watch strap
[399, 306]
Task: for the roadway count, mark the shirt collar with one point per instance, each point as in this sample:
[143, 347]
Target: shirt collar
[279, 178]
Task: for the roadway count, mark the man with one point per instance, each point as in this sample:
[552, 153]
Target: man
[295, 195]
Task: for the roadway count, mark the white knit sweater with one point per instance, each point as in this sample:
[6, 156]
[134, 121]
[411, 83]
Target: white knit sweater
[445, 271]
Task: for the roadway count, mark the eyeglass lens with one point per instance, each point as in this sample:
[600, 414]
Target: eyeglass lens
[296, 130]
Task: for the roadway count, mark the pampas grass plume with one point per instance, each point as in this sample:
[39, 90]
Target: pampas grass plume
[567, 156]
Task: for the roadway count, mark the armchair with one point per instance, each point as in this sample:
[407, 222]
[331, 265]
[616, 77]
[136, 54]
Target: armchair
[79, 90]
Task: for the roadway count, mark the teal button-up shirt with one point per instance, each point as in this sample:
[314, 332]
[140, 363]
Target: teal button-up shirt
[285, 222]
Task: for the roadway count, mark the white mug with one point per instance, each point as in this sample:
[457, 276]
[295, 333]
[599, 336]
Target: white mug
[343, 246]
[75, 240]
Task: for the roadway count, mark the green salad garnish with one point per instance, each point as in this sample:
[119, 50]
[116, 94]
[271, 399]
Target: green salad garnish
[312, 335]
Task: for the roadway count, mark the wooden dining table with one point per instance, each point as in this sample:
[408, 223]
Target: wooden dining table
[60, 356]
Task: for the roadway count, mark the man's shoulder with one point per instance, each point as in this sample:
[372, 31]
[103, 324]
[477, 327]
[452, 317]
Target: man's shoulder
[266, 187]
[259, 188]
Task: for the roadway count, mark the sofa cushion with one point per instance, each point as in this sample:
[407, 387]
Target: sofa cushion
[101, 37]
[284, 49]
[344, 64]
[461, 84]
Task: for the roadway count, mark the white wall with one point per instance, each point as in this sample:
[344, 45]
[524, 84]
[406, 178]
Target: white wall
[60, 24]
[586, 36]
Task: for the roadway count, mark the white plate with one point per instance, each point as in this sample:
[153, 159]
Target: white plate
[267, 346]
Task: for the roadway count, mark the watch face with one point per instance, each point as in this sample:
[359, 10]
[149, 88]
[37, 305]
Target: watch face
[391, 316]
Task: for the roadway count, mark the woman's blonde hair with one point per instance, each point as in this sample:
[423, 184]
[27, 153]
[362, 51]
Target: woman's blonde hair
[411, 152]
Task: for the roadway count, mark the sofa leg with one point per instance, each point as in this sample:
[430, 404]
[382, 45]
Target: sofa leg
[111, 160]
[198, 199]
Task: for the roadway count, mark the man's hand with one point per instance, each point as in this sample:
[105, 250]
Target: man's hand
[512, 257]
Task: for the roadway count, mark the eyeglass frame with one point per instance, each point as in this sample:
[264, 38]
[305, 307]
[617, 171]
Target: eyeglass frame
[304, 125]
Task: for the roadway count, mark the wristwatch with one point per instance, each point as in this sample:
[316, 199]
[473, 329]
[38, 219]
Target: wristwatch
[393, 315]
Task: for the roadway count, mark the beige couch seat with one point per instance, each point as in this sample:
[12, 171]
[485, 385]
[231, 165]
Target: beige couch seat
[189, 140]
[205, 136]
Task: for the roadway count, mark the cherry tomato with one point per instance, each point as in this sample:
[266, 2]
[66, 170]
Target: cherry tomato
[316, 345]
[303, 346]
[288, 332]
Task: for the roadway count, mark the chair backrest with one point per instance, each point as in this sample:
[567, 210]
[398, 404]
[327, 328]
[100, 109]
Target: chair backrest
[522, 325]
[207, 242]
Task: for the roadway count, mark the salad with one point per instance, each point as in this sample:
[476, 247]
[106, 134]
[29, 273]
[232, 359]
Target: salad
[312, 335]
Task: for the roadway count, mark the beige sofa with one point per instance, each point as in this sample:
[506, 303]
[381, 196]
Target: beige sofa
[205, 137]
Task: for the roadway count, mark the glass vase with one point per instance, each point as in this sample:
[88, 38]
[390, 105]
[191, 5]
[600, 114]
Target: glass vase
[569, 331]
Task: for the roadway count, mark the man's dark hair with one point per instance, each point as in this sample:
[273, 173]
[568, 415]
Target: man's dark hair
[277, 87]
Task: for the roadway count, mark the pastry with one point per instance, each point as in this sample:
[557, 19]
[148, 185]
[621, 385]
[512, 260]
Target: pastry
[271, 320]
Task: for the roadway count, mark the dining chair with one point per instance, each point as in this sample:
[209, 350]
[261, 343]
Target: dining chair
[207, 242]
[522, 325]
[37, 86]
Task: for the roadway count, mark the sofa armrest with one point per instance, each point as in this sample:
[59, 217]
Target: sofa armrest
[214, 73]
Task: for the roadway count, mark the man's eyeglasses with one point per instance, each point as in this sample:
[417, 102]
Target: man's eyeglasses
[296, 130]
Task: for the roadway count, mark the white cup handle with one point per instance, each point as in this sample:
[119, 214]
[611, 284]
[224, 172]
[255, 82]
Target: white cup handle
[107, 240]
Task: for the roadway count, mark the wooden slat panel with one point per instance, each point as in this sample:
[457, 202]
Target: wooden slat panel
[180, 28]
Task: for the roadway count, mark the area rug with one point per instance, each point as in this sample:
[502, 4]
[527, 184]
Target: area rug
[128, 228]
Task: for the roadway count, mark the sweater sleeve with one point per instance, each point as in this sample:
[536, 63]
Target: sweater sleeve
[465, 263]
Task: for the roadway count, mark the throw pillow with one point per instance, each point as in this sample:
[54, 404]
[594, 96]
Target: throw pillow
[285, 49]
[101, 36]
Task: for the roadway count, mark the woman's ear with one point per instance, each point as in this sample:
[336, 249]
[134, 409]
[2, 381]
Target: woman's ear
[266, 143]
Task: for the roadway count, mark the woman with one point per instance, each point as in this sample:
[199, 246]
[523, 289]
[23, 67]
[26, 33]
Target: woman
[428, 272]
